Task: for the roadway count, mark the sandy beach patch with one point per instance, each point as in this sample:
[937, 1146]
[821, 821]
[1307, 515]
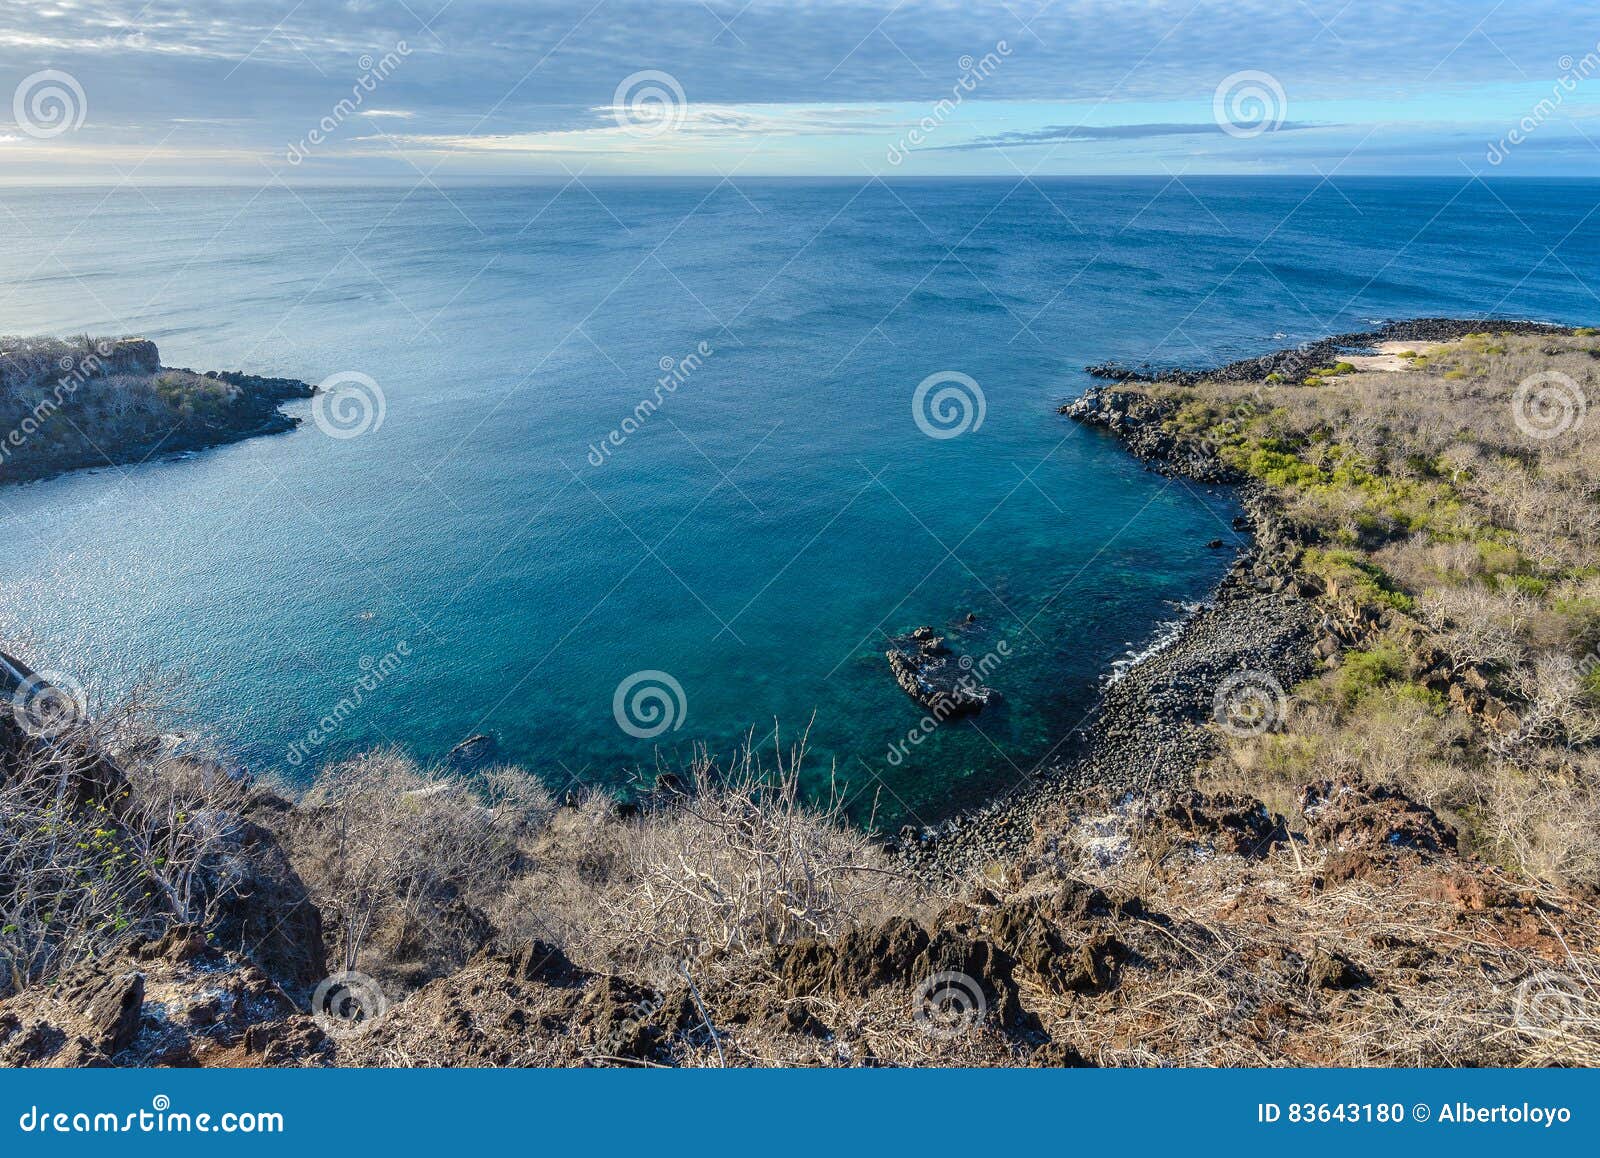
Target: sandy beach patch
[1388, 355]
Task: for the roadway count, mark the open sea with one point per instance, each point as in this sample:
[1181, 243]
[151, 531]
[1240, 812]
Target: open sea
[489, 558]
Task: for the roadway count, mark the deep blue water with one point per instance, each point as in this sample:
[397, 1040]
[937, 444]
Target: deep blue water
[760, 534]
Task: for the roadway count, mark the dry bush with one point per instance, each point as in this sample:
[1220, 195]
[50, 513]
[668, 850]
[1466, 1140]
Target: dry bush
[725, 868]
[1477, 625]
[69, 890]
[1538, 817]
[401, 858]
[109, 829]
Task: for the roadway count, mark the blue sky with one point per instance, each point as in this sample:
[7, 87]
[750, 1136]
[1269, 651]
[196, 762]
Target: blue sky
[315, 90]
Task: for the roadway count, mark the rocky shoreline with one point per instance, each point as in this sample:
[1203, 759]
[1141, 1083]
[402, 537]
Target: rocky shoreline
[1157, 721]
[1294, 362]
[1261, 632]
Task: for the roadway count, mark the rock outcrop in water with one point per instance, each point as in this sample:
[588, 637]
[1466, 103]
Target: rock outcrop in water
[941, 682]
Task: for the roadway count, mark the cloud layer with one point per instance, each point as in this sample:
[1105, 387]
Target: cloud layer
[232, 82]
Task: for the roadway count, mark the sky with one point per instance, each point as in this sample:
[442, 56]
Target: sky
[379, 90]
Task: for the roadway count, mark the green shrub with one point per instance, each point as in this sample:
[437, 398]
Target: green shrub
[1351, 572]
[1591, 685]
[1364, 672]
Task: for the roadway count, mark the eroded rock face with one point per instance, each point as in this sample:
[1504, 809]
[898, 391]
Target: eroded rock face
[1350, 818]
[273, 913]
[1224, 823]
[1060, 940]
[172, 1001]
[527, 1007]
[133, 356]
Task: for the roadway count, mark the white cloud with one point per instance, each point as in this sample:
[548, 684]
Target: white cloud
[700, 125]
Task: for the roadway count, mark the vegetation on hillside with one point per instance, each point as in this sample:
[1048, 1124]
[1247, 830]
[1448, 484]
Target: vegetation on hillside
[1450, 513]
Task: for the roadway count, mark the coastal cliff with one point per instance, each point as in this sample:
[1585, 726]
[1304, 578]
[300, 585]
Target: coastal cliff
[109, 402]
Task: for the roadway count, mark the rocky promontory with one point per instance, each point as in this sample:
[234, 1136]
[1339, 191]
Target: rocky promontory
[110, 402]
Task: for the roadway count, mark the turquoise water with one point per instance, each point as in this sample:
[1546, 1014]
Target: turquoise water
[759, 534]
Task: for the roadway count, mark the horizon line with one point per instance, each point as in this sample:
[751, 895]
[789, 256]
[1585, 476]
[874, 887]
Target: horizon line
[504, 180]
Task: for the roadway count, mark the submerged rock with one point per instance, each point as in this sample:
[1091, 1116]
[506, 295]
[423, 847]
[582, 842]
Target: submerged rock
[473, 751]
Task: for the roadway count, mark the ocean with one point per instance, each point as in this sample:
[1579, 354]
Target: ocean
[661, 466]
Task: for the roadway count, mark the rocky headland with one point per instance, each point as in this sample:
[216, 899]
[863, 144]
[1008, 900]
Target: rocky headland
[1292, 363]
[110, 402]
